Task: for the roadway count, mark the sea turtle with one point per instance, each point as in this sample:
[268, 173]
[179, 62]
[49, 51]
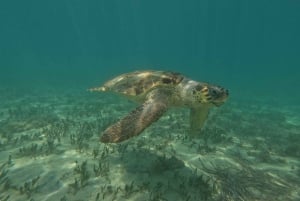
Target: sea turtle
[156, 91]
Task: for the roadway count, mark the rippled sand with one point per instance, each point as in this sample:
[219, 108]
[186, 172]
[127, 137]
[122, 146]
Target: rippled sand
[50, 150]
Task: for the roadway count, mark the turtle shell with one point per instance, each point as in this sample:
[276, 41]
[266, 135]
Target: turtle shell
[140, 82]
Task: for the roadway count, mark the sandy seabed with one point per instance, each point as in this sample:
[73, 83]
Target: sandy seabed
[50, 150]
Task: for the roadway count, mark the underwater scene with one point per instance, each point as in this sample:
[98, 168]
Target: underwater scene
[126, 100]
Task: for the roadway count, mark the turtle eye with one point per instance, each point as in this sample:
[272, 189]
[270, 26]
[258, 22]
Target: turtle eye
[214, 92]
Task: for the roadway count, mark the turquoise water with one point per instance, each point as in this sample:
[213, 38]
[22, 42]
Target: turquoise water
[52, 51]
[251, 45]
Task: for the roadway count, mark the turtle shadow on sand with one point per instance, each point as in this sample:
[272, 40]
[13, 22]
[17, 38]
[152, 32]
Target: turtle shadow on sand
[152, 176]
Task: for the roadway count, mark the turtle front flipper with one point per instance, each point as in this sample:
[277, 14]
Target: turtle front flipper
[136, 121]
[197, 119]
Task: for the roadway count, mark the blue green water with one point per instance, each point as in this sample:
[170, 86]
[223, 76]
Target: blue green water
[247, 46]
[52, 51]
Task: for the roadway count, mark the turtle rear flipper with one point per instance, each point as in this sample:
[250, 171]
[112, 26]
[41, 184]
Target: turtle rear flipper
[136, 121]
[197, 119]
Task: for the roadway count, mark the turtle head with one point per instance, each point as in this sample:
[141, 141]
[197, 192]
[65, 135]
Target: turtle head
[210, 94]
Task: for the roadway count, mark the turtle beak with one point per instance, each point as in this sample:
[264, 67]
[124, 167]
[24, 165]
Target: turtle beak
[222, 96]
[218, 104]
